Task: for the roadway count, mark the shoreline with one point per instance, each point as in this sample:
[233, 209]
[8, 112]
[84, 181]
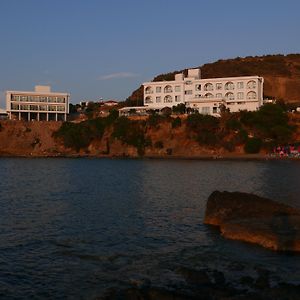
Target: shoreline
[226, 157]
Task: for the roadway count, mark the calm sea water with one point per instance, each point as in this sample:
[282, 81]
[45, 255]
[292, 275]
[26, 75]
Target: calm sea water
[72, 228]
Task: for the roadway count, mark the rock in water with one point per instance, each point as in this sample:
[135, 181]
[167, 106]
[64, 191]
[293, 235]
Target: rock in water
[250, 218]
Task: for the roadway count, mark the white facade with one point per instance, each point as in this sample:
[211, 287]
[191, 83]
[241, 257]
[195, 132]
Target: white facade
[206, 95]
[41, 104]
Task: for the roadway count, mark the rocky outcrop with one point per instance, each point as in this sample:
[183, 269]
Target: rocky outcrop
[250, 218]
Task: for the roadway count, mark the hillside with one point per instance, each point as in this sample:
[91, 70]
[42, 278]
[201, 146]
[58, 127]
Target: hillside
[281, 74]
[190, 136]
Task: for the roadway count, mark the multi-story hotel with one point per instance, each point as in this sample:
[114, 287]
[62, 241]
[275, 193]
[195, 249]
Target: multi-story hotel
[40, 105]
[205, 95]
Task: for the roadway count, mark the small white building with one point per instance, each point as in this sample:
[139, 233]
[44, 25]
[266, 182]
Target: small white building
[205, 95]
[40, 105]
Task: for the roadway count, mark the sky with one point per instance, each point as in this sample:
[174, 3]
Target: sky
[107, 48]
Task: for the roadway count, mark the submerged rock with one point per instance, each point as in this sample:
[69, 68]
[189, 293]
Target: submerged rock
[250, 218]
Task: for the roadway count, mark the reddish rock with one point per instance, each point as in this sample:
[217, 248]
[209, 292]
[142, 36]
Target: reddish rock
[250, 218]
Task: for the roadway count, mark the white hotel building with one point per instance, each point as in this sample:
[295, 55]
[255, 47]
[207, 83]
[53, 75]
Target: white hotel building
[205, 95]
[40, 105]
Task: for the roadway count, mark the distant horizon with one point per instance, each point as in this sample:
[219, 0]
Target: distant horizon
[107, 50]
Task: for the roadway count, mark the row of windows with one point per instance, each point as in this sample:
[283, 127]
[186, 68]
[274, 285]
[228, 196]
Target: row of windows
[50, 99]
[206, 87]
[228, 96]
[37, 107]
[167, 99]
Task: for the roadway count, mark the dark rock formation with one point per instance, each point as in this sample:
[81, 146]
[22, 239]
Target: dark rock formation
[250, 218]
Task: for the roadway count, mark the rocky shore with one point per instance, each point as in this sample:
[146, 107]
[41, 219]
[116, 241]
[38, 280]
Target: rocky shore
[250, 218]
[207, 284]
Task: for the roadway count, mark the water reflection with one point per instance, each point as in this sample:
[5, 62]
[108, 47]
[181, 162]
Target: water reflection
[76, 227]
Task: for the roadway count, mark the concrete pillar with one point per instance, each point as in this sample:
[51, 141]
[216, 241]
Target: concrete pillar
[28, 116]
[19, 116]
[65, 117]
[55, 116]
[47, 118]
[38, 116]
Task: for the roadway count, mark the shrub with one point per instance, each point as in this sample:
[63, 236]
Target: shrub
[228, 145]
[75, 136]
[233, 124]
[159, 145]
[153, 120]
[205, 127]
[179, 108]
[131, 133]
[176, 122]
[253, 145]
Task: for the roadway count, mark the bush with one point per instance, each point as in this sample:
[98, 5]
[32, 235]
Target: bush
[131, 133]
[153, 120]
[179, 108]
[176, 122]
[159, 145]
[233, 124]
[205, 127]
[253, 145]
[75, 136]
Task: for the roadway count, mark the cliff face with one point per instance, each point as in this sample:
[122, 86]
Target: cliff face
[35, 139]
[19, 138]
[193, 136]
[281, 74]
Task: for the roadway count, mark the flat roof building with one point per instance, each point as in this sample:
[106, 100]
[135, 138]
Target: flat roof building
[205, 95]
[40, 105]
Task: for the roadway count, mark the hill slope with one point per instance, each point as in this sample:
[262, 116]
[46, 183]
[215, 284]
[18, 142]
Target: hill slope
[281, 74]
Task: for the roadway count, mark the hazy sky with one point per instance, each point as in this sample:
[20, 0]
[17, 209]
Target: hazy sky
[107, 48]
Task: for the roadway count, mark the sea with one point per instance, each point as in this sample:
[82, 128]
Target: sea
[75, 228]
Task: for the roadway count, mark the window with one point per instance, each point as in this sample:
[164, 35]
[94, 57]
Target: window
[168, 99]
[148, 99]
[188, 92]
[240, 95]
[177, 88]
[24, 107]
[52, 99]
[251, 84]
[229, 86]
[198, 96]
[60, 108]
[24, 98]
[251, 95]
[208, 87]
[34, 107]
[168, 89]
[198, 87]
[148, 90]
[14, 106]
[215, 110]
[205, 110]
[15, 98]
[189, 82]
[219, 86]
[229, 96]
[177, 98]
[208, 95]
[219, 95]
[158, 89]
[60, 100]
[240, 85]
[158, 99]
[52, 108]
[43, 107]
